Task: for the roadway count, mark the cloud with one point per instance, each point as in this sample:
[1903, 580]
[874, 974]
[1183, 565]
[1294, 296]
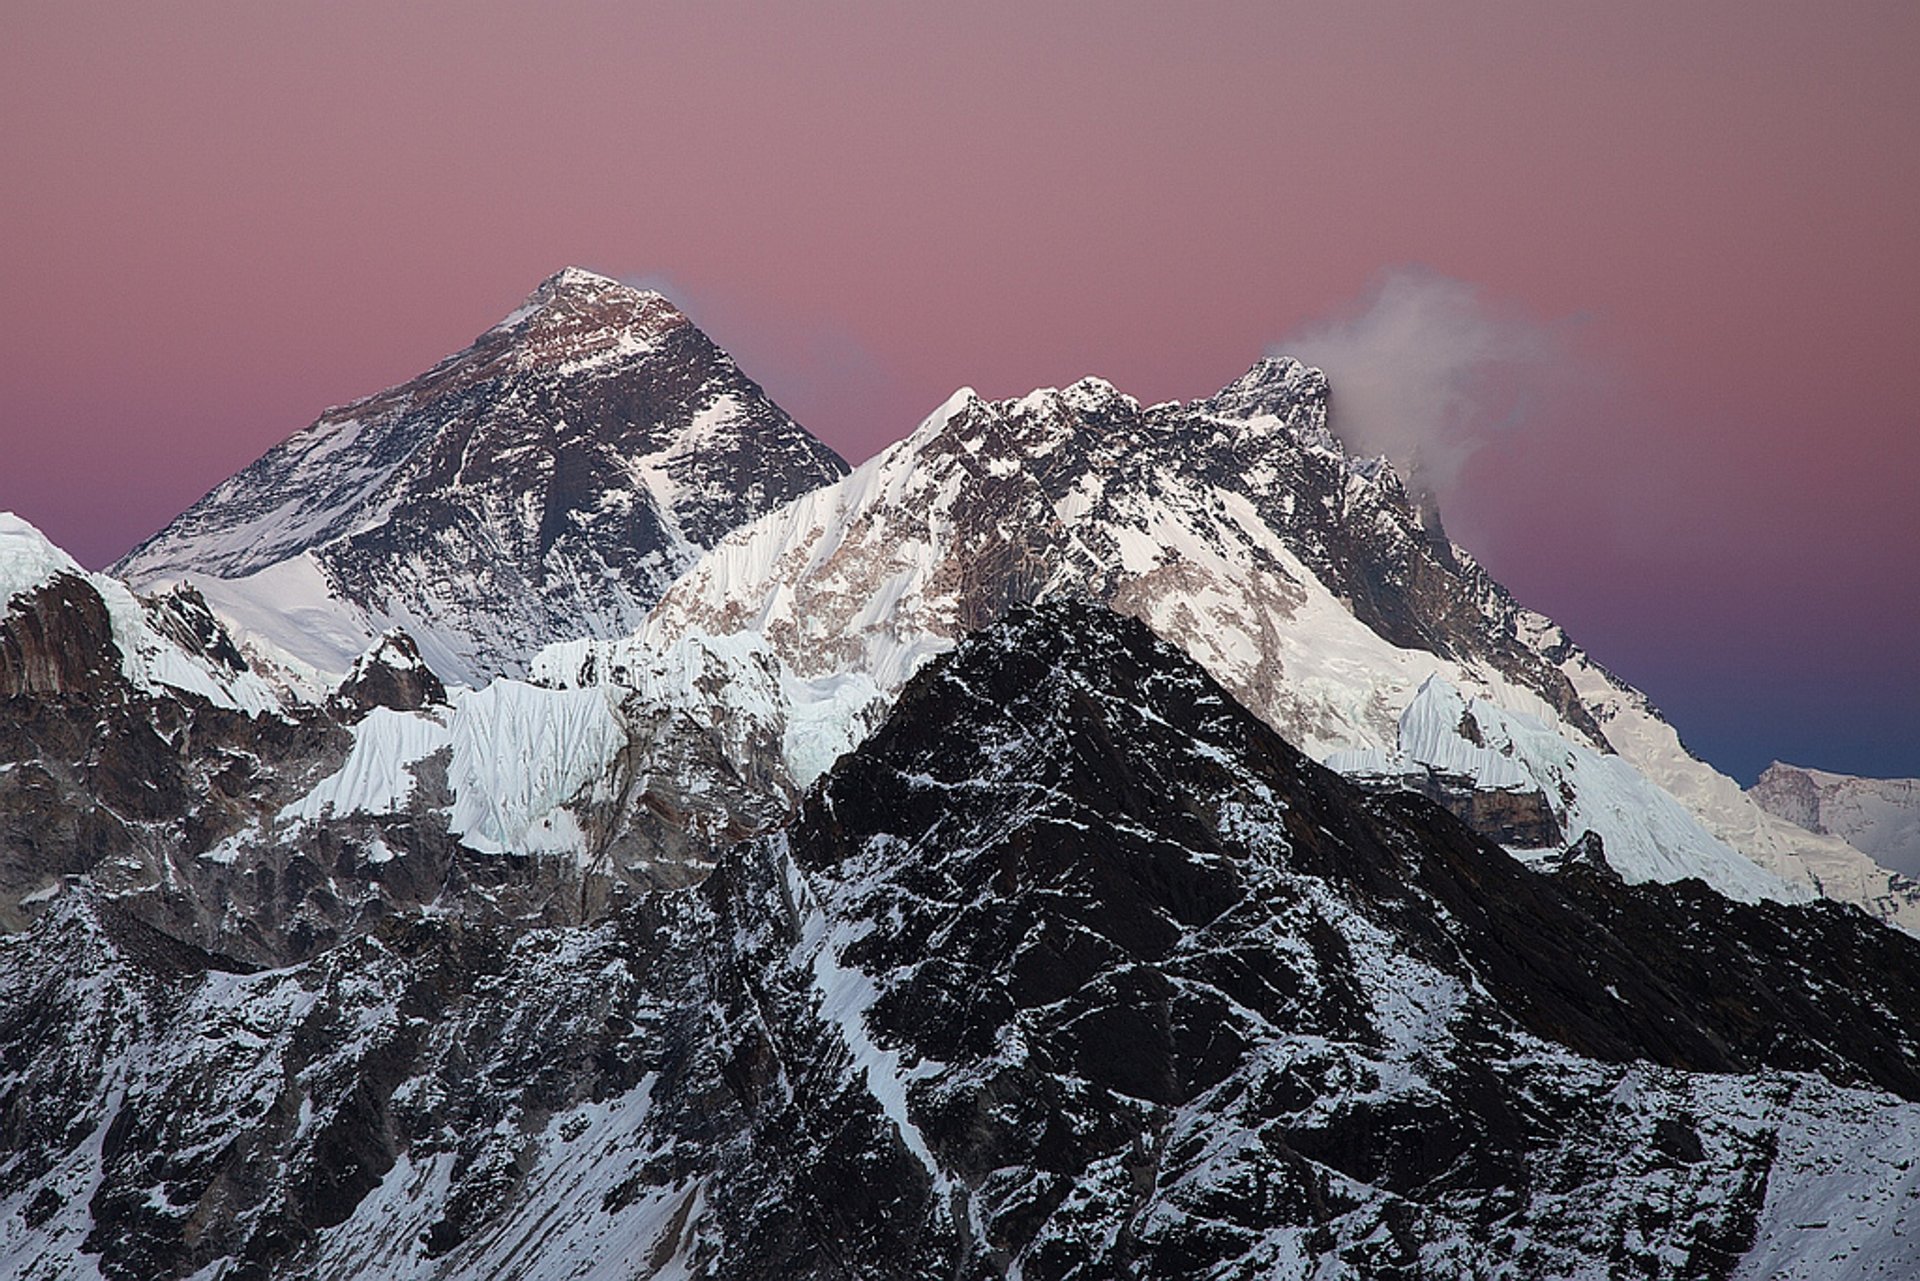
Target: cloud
[1428, 370]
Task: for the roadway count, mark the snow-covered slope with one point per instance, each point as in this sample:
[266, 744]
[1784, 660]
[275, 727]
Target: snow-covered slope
[1880, 817]
[1074, 970]
[145, 758]
[548, 481]
[1238, 528]
[1648, 835]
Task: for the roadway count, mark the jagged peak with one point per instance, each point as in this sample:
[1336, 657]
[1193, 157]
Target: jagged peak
[955, 406]
[1277, 389]
[1087, 394]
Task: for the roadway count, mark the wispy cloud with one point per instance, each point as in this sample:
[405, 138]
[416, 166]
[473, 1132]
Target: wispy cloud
[1428, 370]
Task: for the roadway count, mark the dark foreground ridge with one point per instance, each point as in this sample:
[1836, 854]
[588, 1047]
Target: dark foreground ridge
[1075, 969]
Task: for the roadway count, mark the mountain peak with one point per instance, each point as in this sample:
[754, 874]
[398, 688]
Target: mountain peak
[548, 480]
[28, 558]
[1276, 389]
[571, 277]
[575, 305]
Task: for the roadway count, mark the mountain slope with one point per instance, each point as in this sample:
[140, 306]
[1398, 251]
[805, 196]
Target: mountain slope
[1238, 528]
[1073, 969]
[1880, 817]
[548, 481]
[145, 761]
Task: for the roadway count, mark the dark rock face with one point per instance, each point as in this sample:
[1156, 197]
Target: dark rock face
[56, 639]
[391, 675]
[1366, 542]
[1075, 968]
[1235, 527]
[1515, 819]
[173, 805]
[547, 482]
[1791, 794]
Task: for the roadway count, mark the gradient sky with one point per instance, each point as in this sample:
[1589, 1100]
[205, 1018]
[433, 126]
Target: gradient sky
[218, 219]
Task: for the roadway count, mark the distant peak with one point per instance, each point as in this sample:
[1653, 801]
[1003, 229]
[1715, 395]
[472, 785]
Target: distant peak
[1273, 374]
[579, 278]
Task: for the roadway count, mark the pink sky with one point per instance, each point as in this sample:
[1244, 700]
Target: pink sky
[219, 219]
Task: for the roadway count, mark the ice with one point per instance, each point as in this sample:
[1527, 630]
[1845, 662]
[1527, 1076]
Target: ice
[1648, 835]
[148, 660]
[377, 777]
[520, 755]
[28, 560]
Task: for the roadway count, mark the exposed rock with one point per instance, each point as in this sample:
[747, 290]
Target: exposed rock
[1880, 817]
[1073, 969]
[56, 639]
[548, 481]
[391, 675]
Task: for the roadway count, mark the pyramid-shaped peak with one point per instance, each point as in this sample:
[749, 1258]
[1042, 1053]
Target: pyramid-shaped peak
[571, 277]
[578, 282]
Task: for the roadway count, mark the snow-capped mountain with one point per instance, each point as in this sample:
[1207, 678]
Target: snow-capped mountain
[1880, 817]
[548, 481]
[1237, 527]
[1073, 969]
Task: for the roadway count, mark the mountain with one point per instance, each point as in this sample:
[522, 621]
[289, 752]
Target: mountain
[1238, 528]
[1880, 817]
[1072, 969]
[146, 762]
[548, 481]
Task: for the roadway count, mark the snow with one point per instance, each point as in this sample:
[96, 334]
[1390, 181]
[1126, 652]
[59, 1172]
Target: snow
[858, 582]
[148, 659]
[521, 755]
[1880, 817]
[1843, 1198]
[290, 607]
[296, 495]
[1824, 864]
[28, 560]
[1648, 835]
[555, 1229]
[519, 758]
[377, 777]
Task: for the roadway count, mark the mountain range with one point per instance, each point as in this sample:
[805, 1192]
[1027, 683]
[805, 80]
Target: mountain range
[551, 819]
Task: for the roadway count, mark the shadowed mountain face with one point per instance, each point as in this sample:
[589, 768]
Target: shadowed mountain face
[548, 481]
[1073, 969]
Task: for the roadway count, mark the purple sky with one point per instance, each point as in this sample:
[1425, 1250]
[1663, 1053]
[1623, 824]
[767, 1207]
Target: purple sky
[1687, 232]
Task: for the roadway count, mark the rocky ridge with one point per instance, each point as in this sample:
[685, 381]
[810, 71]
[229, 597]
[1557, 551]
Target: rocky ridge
[144, 760]
[1072, 969]
[1301, 577]
[1880, 817]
